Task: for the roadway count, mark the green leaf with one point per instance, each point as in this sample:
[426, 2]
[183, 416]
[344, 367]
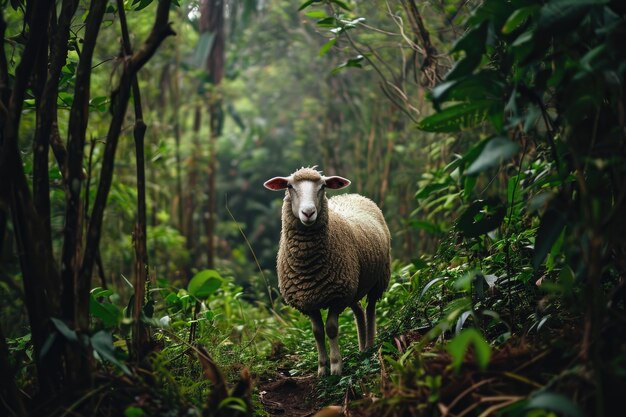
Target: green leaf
[307, 4]
[316, 14]
[473, 43]
[458, 347]
[458, 117]
[110, 314]
[204, 283]
[552, 223]
[133, 411]
[65, 331]
[554, 402]
[326, 47]
[557, 16]
[429, 189]
[142, 4]
[327, 22]
[340, 4]
[496, 151]
[102, 342]
[352, 62]
[518, 17]
[430, 284]
[99, 103]
[468, 186]
[203, 49]
[481, 217]
[486, 85]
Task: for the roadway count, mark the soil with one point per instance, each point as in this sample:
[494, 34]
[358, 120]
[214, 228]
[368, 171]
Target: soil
[289, 396]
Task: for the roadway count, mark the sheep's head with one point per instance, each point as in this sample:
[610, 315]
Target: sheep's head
[306, 190]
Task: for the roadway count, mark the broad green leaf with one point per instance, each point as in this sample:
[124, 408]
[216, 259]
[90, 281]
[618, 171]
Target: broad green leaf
[326, 47]
[341, 4]
[203, 49]
[554, 402]
[327, 22]
[109, 313]
[518, 17]
[65, 331]
[552, 223]
[133, 411]
[486, 85]
[496, 151]
[473, 42]
[102, 342]
[352, 62]
[457, 117]
[307, 4]
[481, 217]
[458, 347]
[50, 340]
[142, 4]
[204, 283]
[559, 15]
[316, 14]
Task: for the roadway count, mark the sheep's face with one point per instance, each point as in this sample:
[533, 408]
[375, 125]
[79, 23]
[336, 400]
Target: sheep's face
[306, 189]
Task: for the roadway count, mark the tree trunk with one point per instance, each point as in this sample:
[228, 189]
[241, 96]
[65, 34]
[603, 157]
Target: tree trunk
[212, 21]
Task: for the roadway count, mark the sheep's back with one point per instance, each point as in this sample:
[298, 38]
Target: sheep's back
[371, 240]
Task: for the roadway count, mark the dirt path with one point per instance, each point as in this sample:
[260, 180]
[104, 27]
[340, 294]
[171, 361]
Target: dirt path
[289, 396]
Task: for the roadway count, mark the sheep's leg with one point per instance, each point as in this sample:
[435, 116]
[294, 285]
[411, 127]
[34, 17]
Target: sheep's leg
[332, 330]
[318, 332]
[359, 318]
[370, 320]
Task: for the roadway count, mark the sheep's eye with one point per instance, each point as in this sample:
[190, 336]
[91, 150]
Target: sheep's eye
[289, 186]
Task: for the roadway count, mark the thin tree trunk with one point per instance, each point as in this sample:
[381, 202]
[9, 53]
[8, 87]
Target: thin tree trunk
[215, 67]
[141, 335]
[74, 311]
[38, 268]
[73, 229]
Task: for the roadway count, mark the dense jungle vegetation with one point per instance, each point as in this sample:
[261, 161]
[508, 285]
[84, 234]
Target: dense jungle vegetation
[138, 245]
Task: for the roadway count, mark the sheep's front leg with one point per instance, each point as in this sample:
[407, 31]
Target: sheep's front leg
[359, 318]
[318, 332]
[332, 330]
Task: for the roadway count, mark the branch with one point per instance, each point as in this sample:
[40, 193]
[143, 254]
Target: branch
[429, 65]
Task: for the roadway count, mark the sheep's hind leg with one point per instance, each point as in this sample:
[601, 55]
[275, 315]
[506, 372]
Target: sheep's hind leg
[318, 331]
[370, 319]
[332, 330]
[359, 318]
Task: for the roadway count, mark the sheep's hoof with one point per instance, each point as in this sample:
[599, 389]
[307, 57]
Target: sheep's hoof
[321, 371]
[335, 368]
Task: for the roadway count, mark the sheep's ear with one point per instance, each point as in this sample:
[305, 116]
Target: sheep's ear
[336, 183]
[276, 183]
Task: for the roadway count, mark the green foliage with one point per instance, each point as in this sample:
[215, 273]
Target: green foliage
[461, 343]
[204, 284]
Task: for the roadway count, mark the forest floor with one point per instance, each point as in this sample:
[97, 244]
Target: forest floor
[289, 396]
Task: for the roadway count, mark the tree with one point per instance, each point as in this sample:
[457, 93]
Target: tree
[58, 302]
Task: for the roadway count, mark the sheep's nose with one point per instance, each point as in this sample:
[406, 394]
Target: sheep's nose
[308, 212]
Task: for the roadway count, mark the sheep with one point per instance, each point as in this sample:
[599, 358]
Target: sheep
[332, 253]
